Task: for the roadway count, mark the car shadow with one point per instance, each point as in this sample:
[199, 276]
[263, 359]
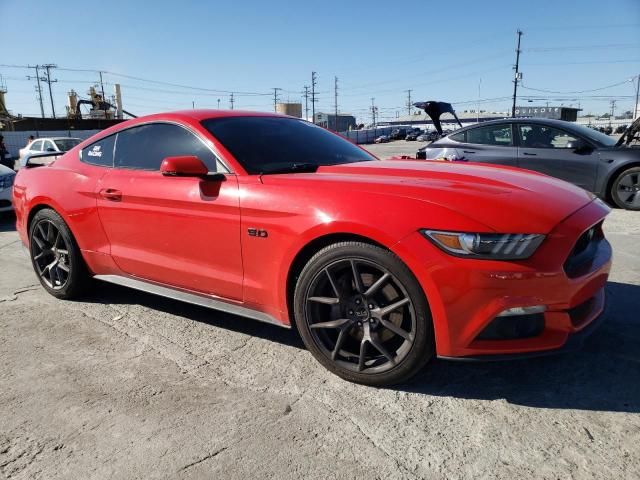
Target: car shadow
[7, 222]
[108, 293]
[603, 376]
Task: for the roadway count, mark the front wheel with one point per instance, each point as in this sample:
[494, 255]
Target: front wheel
[625, 191]
[362, 314]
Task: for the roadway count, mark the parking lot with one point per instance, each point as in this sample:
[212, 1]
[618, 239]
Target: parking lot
[130, 385]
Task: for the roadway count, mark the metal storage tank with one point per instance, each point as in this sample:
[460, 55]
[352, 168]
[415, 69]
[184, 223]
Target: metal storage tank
[292, 109]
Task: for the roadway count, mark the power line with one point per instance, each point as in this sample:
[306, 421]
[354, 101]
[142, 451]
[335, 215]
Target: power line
[581, 47]
[579, 91]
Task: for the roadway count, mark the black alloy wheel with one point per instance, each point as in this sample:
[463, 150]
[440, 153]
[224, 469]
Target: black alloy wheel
[626, 189]
[55, 256]
[50, 254]
[363, 315]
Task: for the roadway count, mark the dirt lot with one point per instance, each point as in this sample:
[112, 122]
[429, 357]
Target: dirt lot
[128, 385]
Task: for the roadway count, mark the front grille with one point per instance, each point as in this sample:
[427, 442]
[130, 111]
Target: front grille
[584, 252]
[5, 203]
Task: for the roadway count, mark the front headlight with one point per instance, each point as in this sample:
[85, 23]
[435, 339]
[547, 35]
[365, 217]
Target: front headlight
[6, 181]
[487, 246]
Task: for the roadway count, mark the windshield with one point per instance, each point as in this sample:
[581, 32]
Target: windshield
[280, 144]
[594, 135]
[66, 144]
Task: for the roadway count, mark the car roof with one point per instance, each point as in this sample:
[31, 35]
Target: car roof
[57, 138]
[543, 121]
[205, 114]
[184, 116]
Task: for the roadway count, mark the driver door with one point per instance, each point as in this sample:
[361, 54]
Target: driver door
[177, 231]
[544, 149]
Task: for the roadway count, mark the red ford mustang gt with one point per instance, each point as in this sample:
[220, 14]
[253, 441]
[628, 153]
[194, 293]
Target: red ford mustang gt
[381, 265]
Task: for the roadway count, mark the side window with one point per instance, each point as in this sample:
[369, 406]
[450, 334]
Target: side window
[99, 153]
[491, 135]
[36, 146]
[458, 137]
[541, 136]
[144, 147]
[48, 146]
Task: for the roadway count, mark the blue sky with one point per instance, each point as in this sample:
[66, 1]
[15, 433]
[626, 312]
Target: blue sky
[376, 49]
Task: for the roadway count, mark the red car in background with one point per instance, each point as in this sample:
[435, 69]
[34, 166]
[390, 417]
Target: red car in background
[381, 265]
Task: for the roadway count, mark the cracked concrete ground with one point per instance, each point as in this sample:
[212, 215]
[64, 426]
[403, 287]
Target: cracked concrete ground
[127, 385]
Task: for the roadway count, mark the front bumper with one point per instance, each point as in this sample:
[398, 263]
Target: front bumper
[5, 200]
[466, 295]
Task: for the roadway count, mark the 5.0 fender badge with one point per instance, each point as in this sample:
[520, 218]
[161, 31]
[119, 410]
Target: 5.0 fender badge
[257, 232]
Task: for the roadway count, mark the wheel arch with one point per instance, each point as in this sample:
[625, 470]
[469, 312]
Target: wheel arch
[307, 251]
[35, 209]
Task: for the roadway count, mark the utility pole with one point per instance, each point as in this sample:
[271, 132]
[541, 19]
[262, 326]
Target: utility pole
[409, 101]
[478, 109]
[613, 110]
[635, 107]
[48, 68]
[275, 98]
[517, 76]
[306, 102]
[218, 104]
[314, 78]
[38, 78]
[231, 100]
[335, 98]
[193, 104]
[104, 99]
[373, 112]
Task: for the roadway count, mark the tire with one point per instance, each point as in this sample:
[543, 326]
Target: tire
[377, 331]
[56, 257]
[625, 190]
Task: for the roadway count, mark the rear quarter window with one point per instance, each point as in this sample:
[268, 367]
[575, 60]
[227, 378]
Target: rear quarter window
[99, 153]
[458, 137]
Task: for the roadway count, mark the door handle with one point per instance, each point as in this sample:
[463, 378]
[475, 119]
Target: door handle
[530, 154]
[111, 194]
[469, 151]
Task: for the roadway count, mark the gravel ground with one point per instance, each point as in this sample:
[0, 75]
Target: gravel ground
[127, 385]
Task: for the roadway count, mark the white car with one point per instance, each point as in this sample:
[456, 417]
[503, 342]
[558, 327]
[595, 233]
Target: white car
[7, 176]
[47, 145]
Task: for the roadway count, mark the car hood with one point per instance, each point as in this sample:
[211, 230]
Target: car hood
[507, 200]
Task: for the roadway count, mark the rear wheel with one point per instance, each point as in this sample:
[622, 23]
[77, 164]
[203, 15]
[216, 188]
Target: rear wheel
[625, 190]
[362, 314]
[55, 256]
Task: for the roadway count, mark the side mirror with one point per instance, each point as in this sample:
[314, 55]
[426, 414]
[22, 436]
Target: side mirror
[578, 146]
[51, 149]
[188, 166]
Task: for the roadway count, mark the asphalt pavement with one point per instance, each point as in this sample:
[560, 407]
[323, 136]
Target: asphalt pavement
[123, 384]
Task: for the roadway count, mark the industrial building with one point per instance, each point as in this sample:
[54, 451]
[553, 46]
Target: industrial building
[291, 109]
[328, 120]
[568, 114]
